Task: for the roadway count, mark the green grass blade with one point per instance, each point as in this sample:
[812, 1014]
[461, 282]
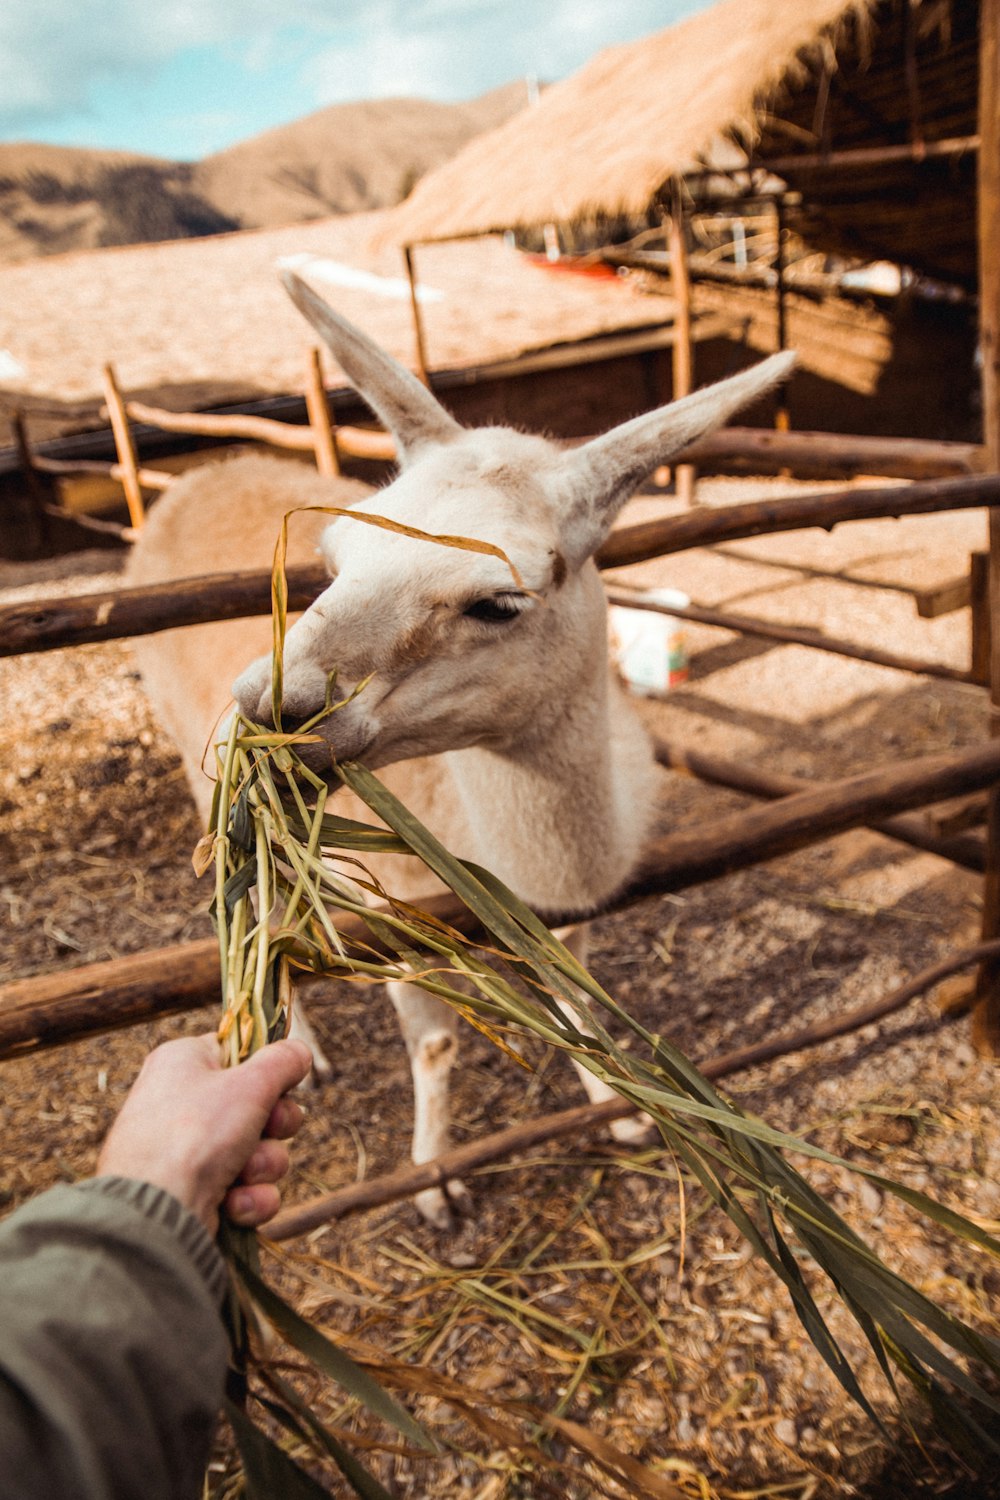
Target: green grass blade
[333, 1361]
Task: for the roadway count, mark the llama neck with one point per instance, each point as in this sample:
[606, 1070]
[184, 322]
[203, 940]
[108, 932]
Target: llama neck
[560, 818]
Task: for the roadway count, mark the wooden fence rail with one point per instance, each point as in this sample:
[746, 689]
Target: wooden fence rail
[374, 1192]
[53, 1009]
[51, 624]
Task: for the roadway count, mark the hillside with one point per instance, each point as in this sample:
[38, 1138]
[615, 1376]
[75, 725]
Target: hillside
[347, 158]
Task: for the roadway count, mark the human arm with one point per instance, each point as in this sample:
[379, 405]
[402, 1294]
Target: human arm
[113, 1353]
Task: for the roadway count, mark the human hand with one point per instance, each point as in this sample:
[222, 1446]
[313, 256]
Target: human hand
[210, 1135]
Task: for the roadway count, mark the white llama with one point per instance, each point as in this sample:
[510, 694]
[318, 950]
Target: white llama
[490, 708]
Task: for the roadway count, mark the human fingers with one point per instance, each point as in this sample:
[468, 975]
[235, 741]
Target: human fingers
[270, 1073]
[250, 1205]
[268, 1162]
[285, 1119]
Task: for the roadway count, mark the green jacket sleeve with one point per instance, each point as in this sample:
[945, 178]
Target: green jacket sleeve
[112, 1349]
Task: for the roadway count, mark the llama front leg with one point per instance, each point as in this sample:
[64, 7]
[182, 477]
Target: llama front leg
[430, 1031]
[635, 1130]
[301, 1029]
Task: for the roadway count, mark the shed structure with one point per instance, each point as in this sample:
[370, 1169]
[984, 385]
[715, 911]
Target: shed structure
[880, 120]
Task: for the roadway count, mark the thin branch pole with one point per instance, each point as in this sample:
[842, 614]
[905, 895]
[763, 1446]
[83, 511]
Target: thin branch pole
[376, 1192]
[360, 442]
[423, 369]
[318, 408]
[683, 346]
[796, 635]
[126, 448]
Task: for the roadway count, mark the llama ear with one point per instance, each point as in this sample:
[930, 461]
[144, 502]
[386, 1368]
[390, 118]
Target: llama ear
[607, 470]
[403, 405]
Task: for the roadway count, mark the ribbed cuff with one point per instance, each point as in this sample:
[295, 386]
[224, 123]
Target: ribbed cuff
[160, 1207]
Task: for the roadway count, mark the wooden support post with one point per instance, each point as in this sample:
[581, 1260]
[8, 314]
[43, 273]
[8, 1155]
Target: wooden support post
[32, 483]
[319, 417]
[782, 420]
[979, 614]
[125, 447]
[683, 348]
[418, 326]
[986, 1014]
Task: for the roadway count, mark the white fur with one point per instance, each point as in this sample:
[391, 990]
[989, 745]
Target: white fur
[511, 739]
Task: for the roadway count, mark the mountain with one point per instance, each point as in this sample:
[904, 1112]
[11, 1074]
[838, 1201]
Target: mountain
[346, 158]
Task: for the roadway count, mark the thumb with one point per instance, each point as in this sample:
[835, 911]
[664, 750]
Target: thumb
[272, 1071]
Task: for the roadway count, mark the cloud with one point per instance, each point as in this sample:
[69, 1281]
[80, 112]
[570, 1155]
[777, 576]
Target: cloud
[455, 49]
[54, 52]
[105, 58]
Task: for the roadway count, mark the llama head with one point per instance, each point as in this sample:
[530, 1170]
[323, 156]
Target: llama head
[458, 647]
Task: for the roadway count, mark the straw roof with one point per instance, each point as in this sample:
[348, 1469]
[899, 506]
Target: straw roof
[604, 141]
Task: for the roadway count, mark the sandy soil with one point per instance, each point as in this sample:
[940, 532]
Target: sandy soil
[635, 1305]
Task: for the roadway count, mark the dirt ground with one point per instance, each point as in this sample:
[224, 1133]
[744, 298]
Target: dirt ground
[591, 1283]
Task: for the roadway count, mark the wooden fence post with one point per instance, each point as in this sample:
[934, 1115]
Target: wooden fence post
[418, 323]
[318, 408]
[33, 484]
[683, 356]
[126, 448]
[782, 418]
[986, 1014]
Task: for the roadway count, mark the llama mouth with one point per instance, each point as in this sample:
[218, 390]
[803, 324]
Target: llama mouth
[320, 751]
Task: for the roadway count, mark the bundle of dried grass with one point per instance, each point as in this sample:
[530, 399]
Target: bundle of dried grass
[284, 865]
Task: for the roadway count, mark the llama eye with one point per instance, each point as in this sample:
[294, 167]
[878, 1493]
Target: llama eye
[497, 609]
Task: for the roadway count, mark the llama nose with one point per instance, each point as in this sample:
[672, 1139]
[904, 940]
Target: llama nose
[252, 691]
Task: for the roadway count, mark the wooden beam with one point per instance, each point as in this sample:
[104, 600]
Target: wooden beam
[45, 1012]
[795, 635]
[982, 625]
[782, 417]
[755, 781]
[420, 342]
[856, 156]
[762, 450]
[704, 528]
[50, 1009]
[748, 838]
[986, 1014]
[51, 624]
[374, 1192]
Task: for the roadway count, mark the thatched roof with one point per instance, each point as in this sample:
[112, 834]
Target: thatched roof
[911, 86]
[791, 80]
[604, 141]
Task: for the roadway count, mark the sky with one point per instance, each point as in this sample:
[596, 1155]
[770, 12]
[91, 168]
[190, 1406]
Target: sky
[183, 78]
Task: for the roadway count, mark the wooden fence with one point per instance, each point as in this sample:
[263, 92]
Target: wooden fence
[52, 1010]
